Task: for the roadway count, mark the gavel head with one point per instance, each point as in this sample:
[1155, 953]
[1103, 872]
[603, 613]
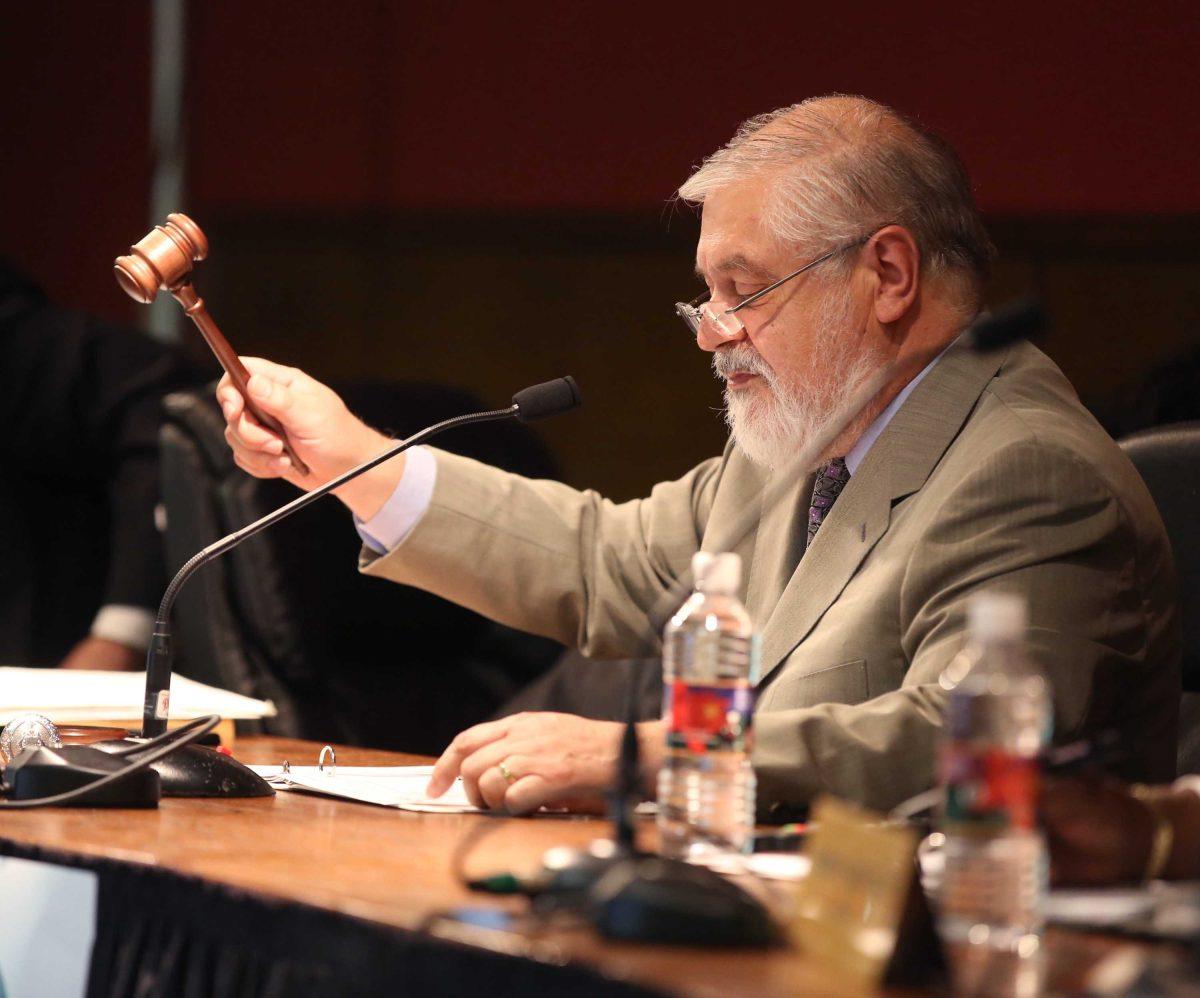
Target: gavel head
[163, 259]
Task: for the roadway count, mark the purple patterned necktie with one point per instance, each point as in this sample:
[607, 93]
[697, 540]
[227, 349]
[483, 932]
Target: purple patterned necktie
[828, 486]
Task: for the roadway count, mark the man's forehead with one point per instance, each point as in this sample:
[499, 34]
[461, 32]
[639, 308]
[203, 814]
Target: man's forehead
[732, 235]
[742, 249]
[730, 262]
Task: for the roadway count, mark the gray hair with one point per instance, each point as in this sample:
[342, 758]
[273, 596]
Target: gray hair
[846, 165]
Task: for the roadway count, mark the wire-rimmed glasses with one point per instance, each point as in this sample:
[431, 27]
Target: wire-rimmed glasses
[699, 313]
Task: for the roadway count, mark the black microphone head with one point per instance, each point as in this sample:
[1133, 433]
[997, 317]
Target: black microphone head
[547, 399]
[1022, 319]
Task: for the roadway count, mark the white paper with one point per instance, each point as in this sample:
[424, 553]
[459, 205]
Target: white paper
[1168, 910]
[93, 695]
[390, 786]
[778, 865]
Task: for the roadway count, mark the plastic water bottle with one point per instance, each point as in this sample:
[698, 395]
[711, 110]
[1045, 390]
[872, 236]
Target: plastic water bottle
[710, 665]
[994, 882]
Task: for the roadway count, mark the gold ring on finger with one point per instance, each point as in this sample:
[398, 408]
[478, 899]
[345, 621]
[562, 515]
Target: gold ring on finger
[509, 776]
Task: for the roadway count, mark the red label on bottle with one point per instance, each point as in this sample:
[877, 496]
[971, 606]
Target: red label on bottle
[989, 788]
[707, 718]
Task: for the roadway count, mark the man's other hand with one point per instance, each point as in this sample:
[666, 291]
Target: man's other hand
[322, 431]
[523, 762]
[1097, 831]
[100, 653]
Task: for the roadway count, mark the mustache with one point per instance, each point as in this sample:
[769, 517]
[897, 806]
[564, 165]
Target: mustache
[743, 358]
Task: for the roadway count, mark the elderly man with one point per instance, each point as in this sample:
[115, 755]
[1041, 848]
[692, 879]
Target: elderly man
[837, 242]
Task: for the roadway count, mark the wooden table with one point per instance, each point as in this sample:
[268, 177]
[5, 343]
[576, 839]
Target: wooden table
[394, 868]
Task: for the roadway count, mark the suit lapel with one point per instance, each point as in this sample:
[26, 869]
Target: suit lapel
[897, 465]
[858, 519]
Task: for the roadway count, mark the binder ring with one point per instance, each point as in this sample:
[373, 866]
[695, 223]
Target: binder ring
[328, 749]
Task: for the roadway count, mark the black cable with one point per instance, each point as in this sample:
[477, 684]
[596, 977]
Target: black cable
[627, 780]
[495, 883]
[155, 749]
[137, 746]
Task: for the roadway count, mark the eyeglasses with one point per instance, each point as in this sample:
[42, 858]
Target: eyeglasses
[699, 313]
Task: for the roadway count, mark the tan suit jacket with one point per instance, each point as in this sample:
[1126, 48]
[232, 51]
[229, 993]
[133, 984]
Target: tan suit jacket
[990, 475]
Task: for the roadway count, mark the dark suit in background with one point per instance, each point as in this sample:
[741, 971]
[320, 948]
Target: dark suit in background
[80, 405]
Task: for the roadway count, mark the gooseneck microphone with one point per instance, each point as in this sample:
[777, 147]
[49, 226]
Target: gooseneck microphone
[547, 399]
[210, 774]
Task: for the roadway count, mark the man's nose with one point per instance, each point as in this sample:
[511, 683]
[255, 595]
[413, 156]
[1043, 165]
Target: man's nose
[710, 337]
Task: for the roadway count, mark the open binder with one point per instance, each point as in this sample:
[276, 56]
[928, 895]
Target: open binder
[401, 787]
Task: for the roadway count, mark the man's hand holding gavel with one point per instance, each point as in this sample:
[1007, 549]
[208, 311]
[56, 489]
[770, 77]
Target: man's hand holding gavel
[324, 433]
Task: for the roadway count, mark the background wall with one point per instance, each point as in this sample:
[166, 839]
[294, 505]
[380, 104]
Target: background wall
[480, 193]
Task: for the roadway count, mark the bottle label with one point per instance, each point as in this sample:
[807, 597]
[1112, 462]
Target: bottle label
[704, 718]
[989, 789]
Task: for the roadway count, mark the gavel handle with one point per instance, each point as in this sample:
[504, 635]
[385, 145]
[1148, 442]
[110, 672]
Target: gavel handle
[193, 305]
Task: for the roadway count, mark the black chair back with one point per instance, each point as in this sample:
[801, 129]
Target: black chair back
[286, 615]
[1168, 459]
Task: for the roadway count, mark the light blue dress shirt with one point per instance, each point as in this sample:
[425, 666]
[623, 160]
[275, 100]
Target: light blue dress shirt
[405, 506]
[854, 457]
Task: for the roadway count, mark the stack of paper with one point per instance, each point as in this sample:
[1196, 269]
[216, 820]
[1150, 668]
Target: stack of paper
[82, 696]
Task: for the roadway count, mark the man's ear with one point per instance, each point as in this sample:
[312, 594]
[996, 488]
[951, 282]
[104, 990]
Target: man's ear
[893, 257]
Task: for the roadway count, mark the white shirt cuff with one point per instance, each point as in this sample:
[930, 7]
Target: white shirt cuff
[1189, 782]
[405, 506]
[131, 626]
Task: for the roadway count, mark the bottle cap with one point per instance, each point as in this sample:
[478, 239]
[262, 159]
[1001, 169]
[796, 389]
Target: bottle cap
[996, 616]
[717, 574]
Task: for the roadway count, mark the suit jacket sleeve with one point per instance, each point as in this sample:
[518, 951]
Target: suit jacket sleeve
[1035, 520]
[549, 559]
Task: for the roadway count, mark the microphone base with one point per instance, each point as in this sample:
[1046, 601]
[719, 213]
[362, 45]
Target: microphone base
[196, 771]
[667, 902]
[568, 874]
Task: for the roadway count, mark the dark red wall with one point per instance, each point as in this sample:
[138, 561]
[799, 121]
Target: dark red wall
[74, 164]
[1076, 107]
[1061, 107]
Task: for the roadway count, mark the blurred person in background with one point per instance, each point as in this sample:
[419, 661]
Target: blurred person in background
[80, 403]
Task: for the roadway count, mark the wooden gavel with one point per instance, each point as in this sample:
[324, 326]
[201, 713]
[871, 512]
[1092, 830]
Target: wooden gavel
[163, 261]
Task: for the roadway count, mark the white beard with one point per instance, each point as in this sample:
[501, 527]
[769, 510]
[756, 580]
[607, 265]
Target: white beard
[773, 432]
